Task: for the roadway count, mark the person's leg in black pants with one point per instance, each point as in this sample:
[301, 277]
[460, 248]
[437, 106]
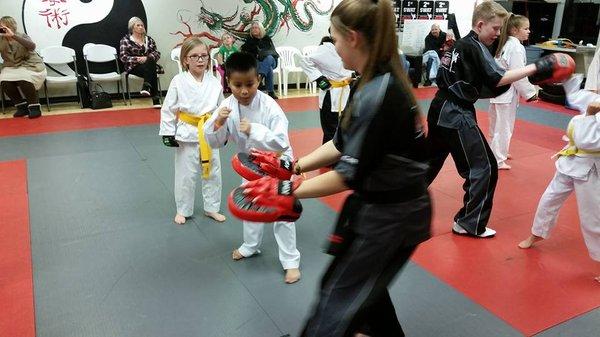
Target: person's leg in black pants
[147, 71]
[25, 106]
[329, 119]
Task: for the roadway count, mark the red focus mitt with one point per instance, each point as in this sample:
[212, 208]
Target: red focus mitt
[258, 164]
[265, 200]
[553, 68]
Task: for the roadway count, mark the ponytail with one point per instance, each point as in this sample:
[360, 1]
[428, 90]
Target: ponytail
[513, 21]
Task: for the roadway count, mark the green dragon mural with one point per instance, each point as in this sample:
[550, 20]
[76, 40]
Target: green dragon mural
[276, 14]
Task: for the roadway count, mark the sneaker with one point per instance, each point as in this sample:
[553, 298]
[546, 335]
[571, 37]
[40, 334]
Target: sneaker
[156, 103]
[489, 233]
[272, 94]
[146, 89]
[22, 110]
[35, 111]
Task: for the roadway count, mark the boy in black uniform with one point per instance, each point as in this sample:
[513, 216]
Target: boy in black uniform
[468, 72]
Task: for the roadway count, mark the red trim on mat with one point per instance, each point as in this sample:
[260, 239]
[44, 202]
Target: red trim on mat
[16, 275]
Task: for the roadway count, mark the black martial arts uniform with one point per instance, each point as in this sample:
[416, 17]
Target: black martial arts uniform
[467, 72]
[385, 218]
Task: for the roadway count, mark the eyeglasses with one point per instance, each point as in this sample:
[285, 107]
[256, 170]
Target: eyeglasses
[197, 58]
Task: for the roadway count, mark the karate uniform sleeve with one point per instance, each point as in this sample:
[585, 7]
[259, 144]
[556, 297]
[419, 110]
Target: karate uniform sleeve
[488, 69]
[309, 67]
[216, 139]
[517, 61]
[272, 137]
[586, 132]
[168, 118]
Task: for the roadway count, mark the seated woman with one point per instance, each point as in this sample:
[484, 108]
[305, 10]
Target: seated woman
[22, 69]
[261, 46]
[434, 42]
[139, 55]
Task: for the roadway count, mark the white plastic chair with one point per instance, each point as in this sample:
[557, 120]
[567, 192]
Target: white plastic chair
[311, 86]
[100, 53]
[175, 58]
[287, 63]
[214, 63]
[59, 57]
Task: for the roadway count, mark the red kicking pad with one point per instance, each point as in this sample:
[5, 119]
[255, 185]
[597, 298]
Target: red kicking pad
[258, 164]
[265, 200]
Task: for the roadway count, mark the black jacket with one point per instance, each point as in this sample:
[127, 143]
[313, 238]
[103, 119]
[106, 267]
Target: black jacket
[435, 43]
[260, 47]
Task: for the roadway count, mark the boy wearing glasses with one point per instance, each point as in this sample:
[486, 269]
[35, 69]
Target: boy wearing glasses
[193, 95]
[252, 119]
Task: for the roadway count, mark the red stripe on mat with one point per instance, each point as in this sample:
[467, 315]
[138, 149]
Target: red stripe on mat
[532, 290]
[16, 276]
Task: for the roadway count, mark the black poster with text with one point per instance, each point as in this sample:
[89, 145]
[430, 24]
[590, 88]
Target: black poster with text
[425, 11]
[440, 10]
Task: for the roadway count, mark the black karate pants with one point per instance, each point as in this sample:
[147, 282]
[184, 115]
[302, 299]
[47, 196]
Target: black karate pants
[329, 119]
[475, 162]
[147, 70]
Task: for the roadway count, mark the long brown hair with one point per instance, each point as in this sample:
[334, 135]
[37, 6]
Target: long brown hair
[374, 19]
[514, 21]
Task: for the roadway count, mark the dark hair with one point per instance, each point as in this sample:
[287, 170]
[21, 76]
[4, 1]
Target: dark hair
[326, 39]
[241, 62]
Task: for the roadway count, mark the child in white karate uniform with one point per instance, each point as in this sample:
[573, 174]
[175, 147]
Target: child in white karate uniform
[252, 119]
[503, 108]
[577, 169]
[193, 95]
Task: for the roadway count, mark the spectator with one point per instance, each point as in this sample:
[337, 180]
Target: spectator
[139, 55]
[261, 46]
[227, 48]
[434, 43]
[23, 69]
[449, 43]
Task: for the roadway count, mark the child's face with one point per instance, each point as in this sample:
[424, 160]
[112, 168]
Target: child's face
[522, 33]
[243, 85]
[228, 41]
[489, 31]
[197, 59]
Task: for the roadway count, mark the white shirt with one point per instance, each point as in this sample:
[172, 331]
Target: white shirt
[593, 74]
[586, 135]
[188, 95]
[268, 130]
[325, 61]
[513, 56]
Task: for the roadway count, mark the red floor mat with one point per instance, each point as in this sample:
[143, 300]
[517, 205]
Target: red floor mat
[16, 282]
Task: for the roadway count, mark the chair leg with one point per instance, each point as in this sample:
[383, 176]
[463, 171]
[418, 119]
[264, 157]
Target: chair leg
[159, 90]
[122, 92]
[2, 96]
[127, 89]
[279, 84]
[46, 94]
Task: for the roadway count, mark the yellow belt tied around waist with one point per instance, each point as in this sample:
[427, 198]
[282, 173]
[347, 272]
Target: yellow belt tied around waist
[340, 84]
[204, 148]
[571, 149]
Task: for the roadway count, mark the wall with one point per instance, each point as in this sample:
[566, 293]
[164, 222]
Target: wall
[73, 23]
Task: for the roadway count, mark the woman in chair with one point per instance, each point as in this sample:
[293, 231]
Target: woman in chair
[261, 46]
[139, 55]
[23, 69]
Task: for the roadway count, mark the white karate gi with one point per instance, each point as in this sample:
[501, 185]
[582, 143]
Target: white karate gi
[188, 95]
[503, 109]
[593, 74]
[325, 61]
[269, 132]
[579, 173]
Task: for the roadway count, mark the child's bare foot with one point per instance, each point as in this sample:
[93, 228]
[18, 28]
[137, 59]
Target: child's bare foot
[292, 275]
[215, 216]
[527, 243]
[509, 156]
[179, 219]
[236, 255]
[597, 278]
[358, 334]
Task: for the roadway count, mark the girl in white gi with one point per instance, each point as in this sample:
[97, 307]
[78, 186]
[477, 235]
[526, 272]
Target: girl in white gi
[252, 119]
[577, 169]
[193, 95]
[325, 66]
[503, 109]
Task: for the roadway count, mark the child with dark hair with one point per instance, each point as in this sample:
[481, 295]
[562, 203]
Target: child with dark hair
[253, 120]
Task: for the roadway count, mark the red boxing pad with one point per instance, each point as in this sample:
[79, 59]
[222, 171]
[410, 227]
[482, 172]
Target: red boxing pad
[260, 164]
[265, 200]
[246, 168]
[562, 67]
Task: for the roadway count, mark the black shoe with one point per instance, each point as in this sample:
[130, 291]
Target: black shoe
[35, 111]
[146, 88]
[156, 103]
[22, 110]
[427, 83]
[272, 94]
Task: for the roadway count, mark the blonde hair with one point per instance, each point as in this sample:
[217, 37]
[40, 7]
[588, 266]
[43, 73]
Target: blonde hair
[487, 11]
[377, 23]
[132, 23]
[225, 35]
[514, 21]
[9, 22]
[187, 46]
[261, 28]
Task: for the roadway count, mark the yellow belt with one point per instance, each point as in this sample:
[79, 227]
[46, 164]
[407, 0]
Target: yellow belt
[572, 150]
[204, 148]
[340, 84]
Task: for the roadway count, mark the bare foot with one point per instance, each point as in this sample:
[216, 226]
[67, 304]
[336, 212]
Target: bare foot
[509, 156]
[215, 216]
[292, 275]
[236, 255]
[504, 166]
[179, 219]
[528, 243]
[597, 278]
[358, 334]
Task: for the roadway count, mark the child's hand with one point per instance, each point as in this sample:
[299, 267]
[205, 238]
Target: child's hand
[245, 126]
[222, 115]
[593, 108]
